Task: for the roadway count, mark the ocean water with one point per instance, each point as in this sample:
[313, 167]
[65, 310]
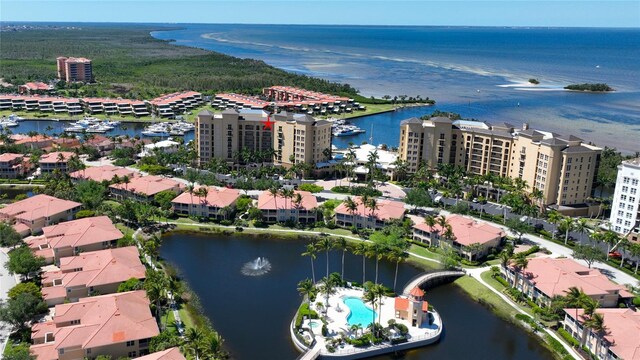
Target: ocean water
[478, 72]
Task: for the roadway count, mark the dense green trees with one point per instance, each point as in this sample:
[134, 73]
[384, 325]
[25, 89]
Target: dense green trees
[22, 261]
[22, 309]
[8, 235]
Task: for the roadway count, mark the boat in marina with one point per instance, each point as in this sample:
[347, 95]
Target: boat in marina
[14, 117]
[7, 123]
[74, 128]
[346, 130]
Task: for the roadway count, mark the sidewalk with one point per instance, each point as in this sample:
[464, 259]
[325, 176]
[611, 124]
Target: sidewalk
[7, 281]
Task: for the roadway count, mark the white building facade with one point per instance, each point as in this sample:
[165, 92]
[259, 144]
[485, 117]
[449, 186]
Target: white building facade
[626, 199]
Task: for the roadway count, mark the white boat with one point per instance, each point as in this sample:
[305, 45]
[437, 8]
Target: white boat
[8, 123]
[159, 133]
[14, 117]
[346, 130]
[97, 129]
[176, 132]
[55, 119]
[75, 128]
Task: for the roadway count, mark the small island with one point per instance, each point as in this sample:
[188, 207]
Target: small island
[590, 87]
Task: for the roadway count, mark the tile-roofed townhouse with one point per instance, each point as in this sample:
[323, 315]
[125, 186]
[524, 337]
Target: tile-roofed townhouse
[364, 217]
[301, 208]
[144, 188]
[116, 325]
[34, 87]
[621, 340]
[73, 237]
[102, 173]
[13, 166]
[210, 206]
[103, 144]
[466, 232]
[545, 278]
[32, 142]
[39, 211]
[168, 354]
[91, 273]
[57, 160]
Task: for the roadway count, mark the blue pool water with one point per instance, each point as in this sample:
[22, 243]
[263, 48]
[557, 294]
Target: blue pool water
[359, 313]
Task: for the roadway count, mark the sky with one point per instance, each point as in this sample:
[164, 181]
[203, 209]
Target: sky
[585, 13]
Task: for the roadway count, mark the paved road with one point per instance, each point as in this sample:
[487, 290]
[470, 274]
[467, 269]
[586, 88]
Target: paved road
[7, 281]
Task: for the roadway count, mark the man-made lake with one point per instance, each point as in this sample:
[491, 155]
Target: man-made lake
[253, 313]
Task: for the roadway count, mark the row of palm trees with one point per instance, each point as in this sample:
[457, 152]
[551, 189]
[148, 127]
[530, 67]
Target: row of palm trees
[592, 320]
[375, 250]
[366, 200]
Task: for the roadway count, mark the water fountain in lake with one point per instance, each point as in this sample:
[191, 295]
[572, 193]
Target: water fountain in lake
[257, 267]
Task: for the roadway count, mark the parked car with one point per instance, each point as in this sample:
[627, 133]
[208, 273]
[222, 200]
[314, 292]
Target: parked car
[615, 255]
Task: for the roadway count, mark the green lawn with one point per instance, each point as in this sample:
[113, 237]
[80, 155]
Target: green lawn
[479, 293]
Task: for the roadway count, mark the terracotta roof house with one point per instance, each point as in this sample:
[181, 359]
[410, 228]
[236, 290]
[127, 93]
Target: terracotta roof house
[103, 144]
[622, 337]
[39, 211]
[13, 166]
[116, 325]
[301, 208]
[169, 354]
[73, 237]
[210, 206]
[364, 217]
[467, 232]
[33, 87]
[102, 173]
[34, 142]
[546, 277]
[94, 272]
[144, 188]
[55, 160]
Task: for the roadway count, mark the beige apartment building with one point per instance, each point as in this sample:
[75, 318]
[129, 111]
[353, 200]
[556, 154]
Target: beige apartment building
[72, 69]
[300, 138]
[562, 167]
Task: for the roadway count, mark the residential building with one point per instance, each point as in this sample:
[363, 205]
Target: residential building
[621, 339]
[115, 325]
[386, 160]
[170, 105]
[73, 237]
[215, 205]
[41, 103]
[365, 217]
[412, 307]
[223, 135]
[562, 167]
[544, 278]
[237, 101]
[164, 146]
[289, 93]
[71, 69]
[91, 273]
[625, 207]
[169, 354]
[144, 188]
[101, 143]
[124, 107]
[32, 142]
[300, 138]
[103, 173]
[34, 88]
[300, 208]
[471, 238]
[39, 211]
[13, 166]
[57, 160]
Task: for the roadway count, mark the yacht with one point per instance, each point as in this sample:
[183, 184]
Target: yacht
[8, 123]
[74, 128]
[14, 117]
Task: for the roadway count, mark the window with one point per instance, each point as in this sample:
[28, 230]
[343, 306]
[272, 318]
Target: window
[132, 354]
[131, 343]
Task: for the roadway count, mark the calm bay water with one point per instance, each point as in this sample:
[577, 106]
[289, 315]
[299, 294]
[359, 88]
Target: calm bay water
[253, 313]
[473, 71]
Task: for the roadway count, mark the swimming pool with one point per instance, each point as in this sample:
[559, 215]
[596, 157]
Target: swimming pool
[359, 313]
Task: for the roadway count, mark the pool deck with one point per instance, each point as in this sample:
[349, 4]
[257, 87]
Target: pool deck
[337, 326]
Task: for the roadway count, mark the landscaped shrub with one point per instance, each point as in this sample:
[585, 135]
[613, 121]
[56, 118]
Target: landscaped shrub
[226, 222]
[568, 338]
[85, 213]
[502, 281]
[305, 311]
[556, 345]
[636, 301]
[312, 188]
[532, 250]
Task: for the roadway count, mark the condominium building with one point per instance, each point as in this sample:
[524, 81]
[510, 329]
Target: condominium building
[72, 69]
[34, 87]
[170, 105]
[41, 103]
[562, 167]
[13, 166]
[144, 188]
[209, 206]
[58, 160]
[300, 138]
[222, 135]
[301, 208]
[39, 211]
[116, 326]
[363, 216]
[625, 209]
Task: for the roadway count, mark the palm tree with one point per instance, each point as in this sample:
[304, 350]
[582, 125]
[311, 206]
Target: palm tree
[397, 255]
[341, 244]
[352, 207]
[328, 288]
[297, 201]
[376, 251]
[311, 253]
[307, 289]
[155, 285]
[520, 264]
[554, 217]
[372, 204]
[623, 246]
[575, 298]
[596, 324]
[430, 220]
[634, 249]
[567, 225]
[371, 297]
[580, 226]
[325, 244]
[195, 342]
[126, 180]
[274, 191]
[361, 248]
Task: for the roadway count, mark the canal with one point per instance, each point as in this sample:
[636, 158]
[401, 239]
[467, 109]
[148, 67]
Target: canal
[253, 313]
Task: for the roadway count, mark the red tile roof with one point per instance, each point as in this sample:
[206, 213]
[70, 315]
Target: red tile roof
[82, 232]
[417, 292]
[169, 354]
[37, 86]
[401, 304]
[37, 207]
[267, 202]
[101, 173]
[555, 276]
[97, 268]
[9, 157]
[149, 185]
[623, 330]
[174, 97]
[103, 320]
[218, 197]
[52, 158]
[467, 230]
[387, 209]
